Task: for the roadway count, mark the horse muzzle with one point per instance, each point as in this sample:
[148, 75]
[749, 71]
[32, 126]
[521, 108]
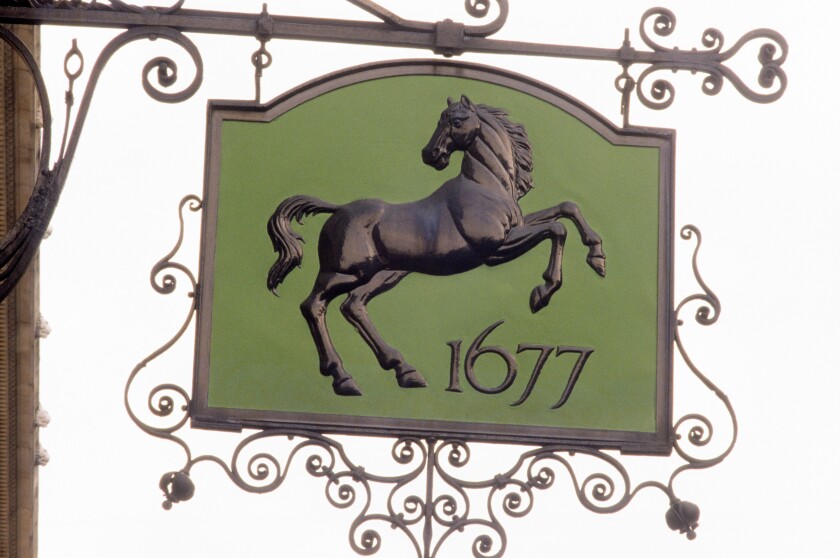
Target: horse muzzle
[435, 157]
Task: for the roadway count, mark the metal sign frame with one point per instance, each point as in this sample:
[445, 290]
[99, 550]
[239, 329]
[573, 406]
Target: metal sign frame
[443, 507]
[205, 415]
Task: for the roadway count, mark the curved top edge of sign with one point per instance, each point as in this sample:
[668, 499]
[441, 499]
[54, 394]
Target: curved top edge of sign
[449, 68]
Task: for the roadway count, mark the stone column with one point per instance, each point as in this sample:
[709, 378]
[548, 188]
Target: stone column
[19, 149]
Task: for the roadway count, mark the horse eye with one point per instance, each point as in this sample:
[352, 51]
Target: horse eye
[457, 122]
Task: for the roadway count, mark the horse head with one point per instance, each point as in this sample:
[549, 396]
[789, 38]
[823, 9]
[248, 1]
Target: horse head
[456, 130]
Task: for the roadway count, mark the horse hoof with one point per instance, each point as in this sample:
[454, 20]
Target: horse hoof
[411, 379]
[539, 300]
[599, 264]
[346, 386]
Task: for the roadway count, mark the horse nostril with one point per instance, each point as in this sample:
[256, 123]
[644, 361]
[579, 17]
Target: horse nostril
[431, 154]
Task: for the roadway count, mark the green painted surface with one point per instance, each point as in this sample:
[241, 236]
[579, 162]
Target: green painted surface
[364, 141]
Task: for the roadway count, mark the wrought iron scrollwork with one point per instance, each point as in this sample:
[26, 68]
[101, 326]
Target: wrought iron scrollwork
[19, 245]
[161, 400]
[710, 61]
[429, 501]
[450, 38]
[700, 431]
[475, 8]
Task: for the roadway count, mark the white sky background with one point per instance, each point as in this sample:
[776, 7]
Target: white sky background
[758, 180]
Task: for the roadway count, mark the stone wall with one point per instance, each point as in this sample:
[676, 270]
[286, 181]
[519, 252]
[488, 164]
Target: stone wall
[19, 139]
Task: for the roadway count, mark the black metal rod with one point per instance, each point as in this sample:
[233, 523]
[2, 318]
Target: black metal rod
[428, 513]
[309, 29]
[445, 37]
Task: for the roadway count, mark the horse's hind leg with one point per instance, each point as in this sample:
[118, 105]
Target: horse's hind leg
[355, 310]
[314, 309]
[570, 210]
[520, 240]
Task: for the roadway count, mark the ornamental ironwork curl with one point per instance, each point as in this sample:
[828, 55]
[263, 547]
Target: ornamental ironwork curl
[710, 61]
[167, 75]
[701, 431]
[475, 8]
[162, 400]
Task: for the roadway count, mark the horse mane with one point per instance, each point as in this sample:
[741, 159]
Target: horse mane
[521, 148]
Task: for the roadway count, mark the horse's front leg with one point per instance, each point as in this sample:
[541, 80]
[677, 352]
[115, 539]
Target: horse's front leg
[520, 240]
[355, 310]
[570, 210]
[314, 309]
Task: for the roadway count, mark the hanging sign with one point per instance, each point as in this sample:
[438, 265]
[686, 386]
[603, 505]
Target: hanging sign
[430, 248]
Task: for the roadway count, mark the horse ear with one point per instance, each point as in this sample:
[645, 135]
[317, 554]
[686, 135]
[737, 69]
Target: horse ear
[449, 101]
[465, 101]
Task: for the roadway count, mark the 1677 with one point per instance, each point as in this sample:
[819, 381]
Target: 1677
[476, 350]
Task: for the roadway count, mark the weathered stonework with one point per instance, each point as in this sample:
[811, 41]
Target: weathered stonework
[19, 141]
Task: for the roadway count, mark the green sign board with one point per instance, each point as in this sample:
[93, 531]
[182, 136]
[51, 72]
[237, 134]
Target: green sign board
[434, 311]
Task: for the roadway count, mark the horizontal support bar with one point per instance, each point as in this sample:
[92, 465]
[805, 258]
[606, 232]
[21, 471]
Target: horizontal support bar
[266, 26]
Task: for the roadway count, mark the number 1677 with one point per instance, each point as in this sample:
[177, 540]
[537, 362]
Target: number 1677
[476, 350]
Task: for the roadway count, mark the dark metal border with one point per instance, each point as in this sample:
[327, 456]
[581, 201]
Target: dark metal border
[658, 442]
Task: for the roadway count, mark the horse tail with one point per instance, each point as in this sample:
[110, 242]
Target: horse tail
[287, 243]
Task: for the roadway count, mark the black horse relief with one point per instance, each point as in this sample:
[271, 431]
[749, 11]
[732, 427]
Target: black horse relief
[368, 246]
